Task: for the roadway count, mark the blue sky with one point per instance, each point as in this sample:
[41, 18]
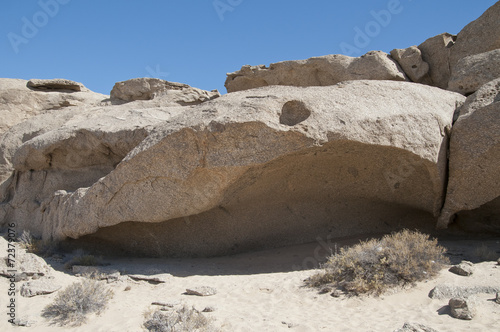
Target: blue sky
[102, 42]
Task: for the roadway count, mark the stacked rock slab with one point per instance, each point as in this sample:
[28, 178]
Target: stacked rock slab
[474, 180]
[479, 36]
[436, 53]
[146, 88]
[21, 100]
[71, 148]
[444, 52]
[319, 71]
[56, 84]
[253, 169]
[472, 72]
[411, 62]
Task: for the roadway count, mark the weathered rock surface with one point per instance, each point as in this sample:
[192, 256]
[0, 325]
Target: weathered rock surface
[444, 51]
[150, 279]
[39, 287]
[461, 309]
[97, 270]
[465, 269]
[248, 170]
[448, 291]
[472, 72]
[201, 291]
[319, 71]
[415, 327]
[56, 84]
[149, 88]
[479, 36]
[410, 60]
[69, 149]
[56, 115]
[474, 175]
[18, 102]
[436, 53]
[25, 264]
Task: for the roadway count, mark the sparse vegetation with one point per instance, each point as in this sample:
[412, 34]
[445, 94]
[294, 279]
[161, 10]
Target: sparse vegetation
[371, 267]
[73, 304]
[182, 319]
[27, 241]
[83, 259]
[484, 253]
[36, 245]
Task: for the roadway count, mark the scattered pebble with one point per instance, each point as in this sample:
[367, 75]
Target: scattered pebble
[23, 322]
[150, 279]
[465, 268]
[461, 309]
[325, 290]
[201, 291]
[415, 327]
[209, 309]
[290, 325]
[166, 304]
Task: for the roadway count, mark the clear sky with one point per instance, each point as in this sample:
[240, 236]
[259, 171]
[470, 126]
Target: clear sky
[197, 42]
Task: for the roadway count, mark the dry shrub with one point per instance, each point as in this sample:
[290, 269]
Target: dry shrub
[36, 245]
[484, 253]
[27, 241]
[398, 259]
[83, 259]
[73, 304]
[182, 319]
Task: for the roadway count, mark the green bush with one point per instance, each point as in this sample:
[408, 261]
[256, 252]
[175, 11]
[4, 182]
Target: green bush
[74, 303]
[373, 266]
[182, 319]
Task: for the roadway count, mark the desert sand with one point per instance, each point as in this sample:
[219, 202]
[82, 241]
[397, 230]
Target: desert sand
[263, 291]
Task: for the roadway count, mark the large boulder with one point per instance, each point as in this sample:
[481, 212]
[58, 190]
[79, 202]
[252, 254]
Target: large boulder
[24, 264]
[39, 287]
[443, 52]
[253, 169]
[472, 72]
[436, 53]
[149, 88]
[319, 71]
[70, 149]
[479, 36]
[410, 60]
[21, 100]
[474, 180]
[51, 100]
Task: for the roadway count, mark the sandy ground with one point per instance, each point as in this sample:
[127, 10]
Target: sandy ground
[263, 291]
